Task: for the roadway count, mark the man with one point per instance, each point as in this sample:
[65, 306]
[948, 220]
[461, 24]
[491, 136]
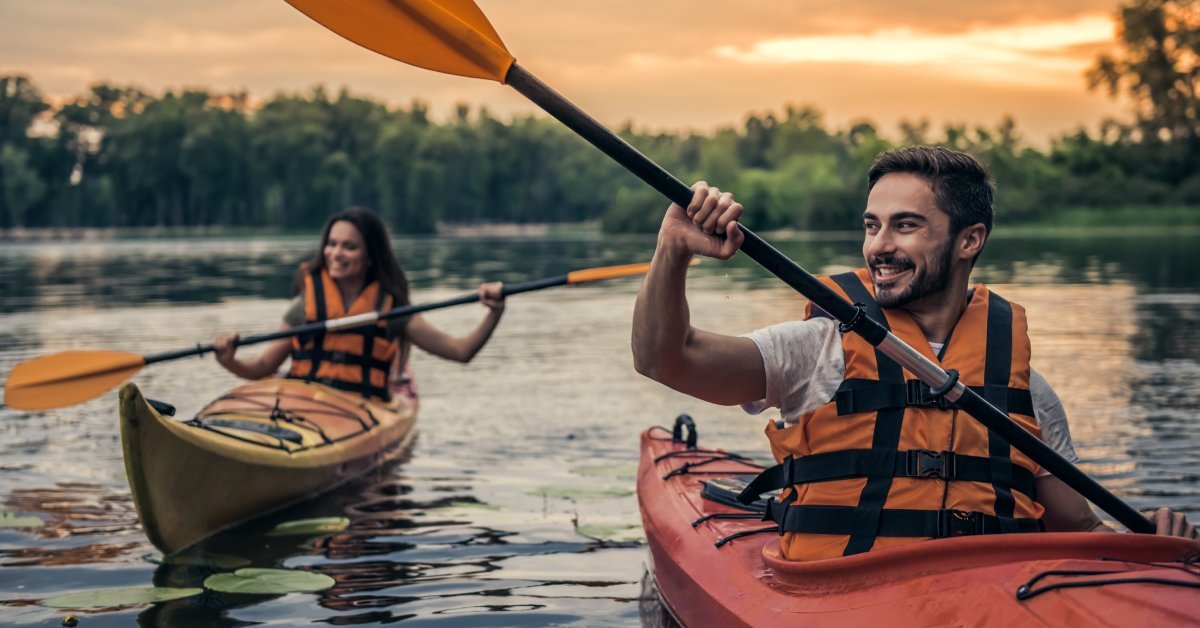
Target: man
[918, 467]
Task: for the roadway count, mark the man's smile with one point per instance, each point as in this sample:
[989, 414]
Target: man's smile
[887, 274]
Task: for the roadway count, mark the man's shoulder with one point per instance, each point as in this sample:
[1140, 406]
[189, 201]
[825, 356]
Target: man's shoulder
[786, 340]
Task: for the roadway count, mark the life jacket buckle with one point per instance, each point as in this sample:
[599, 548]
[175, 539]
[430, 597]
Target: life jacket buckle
[776, 511]
[959, 523]
[918, 394]
[926, 463]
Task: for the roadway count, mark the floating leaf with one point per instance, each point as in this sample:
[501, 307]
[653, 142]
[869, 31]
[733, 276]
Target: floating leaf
[471, 504]
[611, 532]
[319, 525]
[616, 470]
[11, 520]
[111, 598]
[255, 580]
[581, 492]
[220, 561]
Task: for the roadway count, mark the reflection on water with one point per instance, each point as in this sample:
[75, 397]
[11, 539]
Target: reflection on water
[515, 506]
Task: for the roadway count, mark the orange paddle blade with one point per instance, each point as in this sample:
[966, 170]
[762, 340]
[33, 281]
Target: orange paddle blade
[67, 378]
[451, 36]
[612, 272]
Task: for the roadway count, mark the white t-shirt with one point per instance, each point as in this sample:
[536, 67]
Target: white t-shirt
[804, 366]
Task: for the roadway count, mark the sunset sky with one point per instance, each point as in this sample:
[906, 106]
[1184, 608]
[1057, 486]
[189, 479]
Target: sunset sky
[663, 64]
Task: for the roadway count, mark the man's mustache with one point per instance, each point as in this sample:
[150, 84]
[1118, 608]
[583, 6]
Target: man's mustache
[895, 261]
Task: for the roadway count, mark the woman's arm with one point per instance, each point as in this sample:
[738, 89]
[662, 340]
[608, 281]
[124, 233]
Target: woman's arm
[264, 365]
[460, 349]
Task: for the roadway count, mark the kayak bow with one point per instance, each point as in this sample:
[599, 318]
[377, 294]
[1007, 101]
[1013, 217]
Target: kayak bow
[260, 447]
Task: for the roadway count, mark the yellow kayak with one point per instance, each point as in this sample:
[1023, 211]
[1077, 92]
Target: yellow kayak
[260, 447]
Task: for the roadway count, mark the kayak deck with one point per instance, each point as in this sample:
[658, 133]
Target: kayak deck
[1034, 579]
[263, 446]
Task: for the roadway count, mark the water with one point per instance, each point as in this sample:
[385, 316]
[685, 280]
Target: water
[515, 506]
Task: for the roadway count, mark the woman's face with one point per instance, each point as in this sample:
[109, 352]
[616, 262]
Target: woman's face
[345, 252]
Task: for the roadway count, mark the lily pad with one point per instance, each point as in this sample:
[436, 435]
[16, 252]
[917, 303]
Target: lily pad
[472, 504]
[611, 532]
[581, 492]
[219, 561]
[616, 470]
[11, 520]
[319, 525]
[255, 580]
[125, 596]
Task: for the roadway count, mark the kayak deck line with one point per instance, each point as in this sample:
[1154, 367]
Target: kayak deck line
[984, 580]
[189, 482]
[252, 415]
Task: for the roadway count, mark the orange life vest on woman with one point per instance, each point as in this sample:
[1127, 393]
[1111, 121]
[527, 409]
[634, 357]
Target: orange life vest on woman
[883, 464]
[357, 360]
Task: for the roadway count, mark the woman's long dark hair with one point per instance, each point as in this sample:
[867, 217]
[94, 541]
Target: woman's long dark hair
[383, 266]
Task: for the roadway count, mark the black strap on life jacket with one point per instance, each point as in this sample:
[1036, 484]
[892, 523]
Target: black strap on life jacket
[857, 463]
[868, 395]
[368, 350]
[316, 352]
[375, 392]
[938, 524]
[318, 346]
[888, 397]
[866, 519]
[341, 357]
[996, 370]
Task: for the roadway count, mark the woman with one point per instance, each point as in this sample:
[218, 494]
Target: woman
[355, 265]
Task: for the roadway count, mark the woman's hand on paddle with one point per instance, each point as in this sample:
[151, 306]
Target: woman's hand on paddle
[225, 348]
[707, 226]
[492, 296]
[1167, 522]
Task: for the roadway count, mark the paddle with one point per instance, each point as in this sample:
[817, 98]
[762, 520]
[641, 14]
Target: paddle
[70, 377]
[454, 36]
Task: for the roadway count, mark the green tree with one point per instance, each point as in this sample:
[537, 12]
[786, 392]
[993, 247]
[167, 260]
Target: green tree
[20, 104]
[20, 186]
[1158, 66]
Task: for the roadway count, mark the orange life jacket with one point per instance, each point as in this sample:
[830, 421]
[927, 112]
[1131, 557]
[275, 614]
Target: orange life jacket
[357, 360]
[883, 464]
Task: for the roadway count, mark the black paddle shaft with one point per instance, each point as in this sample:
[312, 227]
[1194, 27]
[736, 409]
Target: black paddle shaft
[799, 279]
[319, 326]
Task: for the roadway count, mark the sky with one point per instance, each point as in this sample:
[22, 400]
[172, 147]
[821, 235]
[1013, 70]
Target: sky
[660, 64]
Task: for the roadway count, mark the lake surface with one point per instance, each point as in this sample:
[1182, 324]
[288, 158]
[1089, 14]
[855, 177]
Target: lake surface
[516, 505]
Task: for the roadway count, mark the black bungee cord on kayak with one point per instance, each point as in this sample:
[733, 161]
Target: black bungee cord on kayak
[1188, 566]
[701, 456]
[713, 490]
[229, 426]
[1027, 591]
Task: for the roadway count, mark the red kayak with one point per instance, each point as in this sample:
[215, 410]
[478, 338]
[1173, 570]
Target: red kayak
[1040, 579]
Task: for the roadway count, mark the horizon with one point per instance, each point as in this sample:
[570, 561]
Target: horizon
[870, 60]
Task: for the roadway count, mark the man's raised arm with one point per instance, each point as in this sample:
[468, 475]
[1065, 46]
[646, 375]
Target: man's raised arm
[719, 369]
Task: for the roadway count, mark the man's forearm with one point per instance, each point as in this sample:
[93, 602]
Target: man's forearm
[661, 320]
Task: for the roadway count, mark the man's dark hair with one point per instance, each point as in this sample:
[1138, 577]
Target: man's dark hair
[961, 185]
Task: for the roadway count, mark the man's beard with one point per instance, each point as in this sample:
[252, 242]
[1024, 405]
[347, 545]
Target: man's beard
[926, 281]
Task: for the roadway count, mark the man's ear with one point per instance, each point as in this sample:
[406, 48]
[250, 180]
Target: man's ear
[971, 241]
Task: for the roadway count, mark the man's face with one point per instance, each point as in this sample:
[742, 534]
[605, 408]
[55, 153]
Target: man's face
[907, 243]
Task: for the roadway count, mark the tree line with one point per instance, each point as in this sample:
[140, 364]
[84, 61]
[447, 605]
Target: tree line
[118, 156]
